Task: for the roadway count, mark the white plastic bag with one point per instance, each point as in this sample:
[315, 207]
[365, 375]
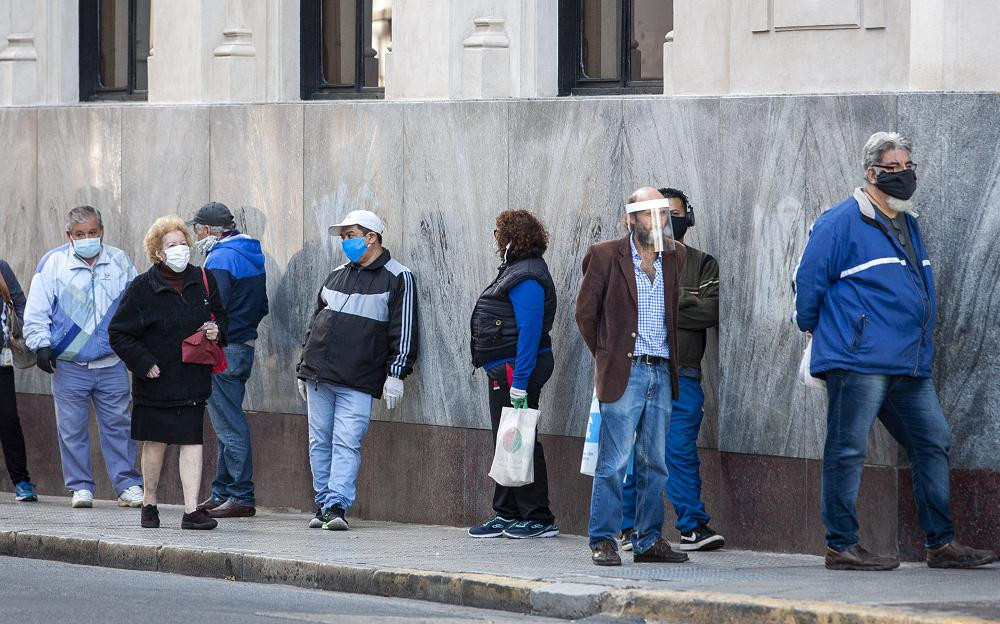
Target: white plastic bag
[805, 374]
[588, 463]
[513, 459]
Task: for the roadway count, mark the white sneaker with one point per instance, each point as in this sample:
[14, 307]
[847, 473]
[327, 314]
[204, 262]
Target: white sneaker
[132, 497]
[82, 498]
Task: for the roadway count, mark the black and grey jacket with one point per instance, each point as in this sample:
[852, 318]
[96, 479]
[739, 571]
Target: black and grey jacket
[364, 328]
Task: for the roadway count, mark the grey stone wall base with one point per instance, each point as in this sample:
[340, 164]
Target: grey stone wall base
[561, 600]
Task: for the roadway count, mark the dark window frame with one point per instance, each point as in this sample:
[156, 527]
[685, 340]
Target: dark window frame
[313, 82]
[571, 50]
[90, 57]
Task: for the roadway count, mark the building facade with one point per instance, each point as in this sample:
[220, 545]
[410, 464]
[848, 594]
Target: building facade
[438, 115]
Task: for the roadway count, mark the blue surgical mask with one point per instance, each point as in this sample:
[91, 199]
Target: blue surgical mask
[354, 248]
[87, 248]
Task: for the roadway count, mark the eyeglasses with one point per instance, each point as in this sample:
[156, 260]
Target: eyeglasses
[896, 169]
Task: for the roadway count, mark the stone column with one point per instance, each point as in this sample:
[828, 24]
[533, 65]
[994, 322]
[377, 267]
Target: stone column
[39, 52]
[19, 71]
[486, 60]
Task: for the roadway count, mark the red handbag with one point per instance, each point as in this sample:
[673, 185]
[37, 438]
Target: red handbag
[198, 349]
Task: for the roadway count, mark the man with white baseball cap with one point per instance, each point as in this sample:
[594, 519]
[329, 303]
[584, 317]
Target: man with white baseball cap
[360, 346]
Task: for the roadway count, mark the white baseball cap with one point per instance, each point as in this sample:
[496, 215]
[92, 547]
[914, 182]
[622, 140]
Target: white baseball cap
[364, 218]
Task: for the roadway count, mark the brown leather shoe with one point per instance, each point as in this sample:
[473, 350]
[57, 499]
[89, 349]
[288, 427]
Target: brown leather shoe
[229, 509]
[209, 504]
[857, 558]
[606, 554]
[955, 555]
[659, 552]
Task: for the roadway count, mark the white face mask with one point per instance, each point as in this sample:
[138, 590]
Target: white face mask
[177, 257]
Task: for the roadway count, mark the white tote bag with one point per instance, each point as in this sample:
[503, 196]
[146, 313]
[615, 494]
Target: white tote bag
[513, 459]
[588, 463]
[805, 374]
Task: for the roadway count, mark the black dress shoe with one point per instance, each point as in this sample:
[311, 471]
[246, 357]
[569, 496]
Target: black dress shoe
[150, 517]
[955, 555]
[199, 520]
[660, 552]
[606, 554]
[229, 509]
[857, 558]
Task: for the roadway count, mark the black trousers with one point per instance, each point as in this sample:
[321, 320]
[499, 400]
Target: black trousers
[527, 502]
[11, 436]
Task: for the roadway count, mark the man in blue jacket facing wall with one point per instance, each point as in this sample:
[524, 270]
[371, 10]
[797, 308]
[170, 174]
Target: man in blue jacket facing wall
[237, 262]
[865, 291]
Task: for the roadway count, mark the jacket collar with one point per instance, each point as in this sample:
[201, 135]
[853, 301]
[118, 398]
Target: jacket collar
[379, 262]
[76, 262]
[192, 275]
[866, 206]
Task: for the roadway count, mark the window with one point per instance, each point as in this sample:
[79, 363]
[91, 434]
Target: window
[114, 46]
[343, 47]
[612, 46]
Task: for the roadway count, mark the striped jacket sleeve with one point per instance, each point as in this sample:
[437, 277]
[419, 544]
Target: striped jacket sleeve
[402, 327]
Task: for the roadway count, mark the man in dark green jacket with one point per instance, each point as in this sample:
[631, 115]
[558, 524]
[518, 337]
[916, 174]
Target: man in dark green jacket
[699, 311]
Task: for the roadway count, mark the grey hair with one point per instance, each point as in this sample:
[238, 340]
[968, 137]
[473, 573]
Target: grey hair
[217, 230]
[880, 143]
[82, 214]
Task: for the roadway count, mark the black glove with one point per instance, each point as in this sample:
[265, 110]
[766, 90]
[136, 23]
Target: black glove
[46, 360]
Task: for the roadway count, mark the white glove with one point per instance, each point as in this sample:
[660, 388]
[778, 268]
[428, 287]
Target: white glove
[302, 389]
[519, 398]
[392, 391]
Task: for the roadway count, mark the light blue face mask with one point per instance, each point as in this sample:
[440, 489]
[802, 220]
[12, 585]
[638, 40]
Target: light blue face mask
[354, 248]
[87, 248]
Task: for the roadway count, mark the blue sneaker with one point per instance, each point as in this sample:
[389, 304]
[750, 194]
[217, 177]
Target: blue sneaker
[494, 527]
[527, 529]
[25, 492]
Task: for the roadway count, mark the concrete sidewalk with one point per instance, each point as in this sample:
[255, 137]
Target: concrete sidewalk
[551, 577]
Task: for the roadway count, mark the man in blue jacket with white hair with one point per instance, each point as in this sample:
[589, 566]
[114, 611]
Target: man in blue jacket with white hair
[237, 262]
[865, 291]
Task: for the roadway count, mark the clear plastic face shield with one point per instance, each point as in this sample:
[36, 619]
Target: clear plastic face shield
[649, 222]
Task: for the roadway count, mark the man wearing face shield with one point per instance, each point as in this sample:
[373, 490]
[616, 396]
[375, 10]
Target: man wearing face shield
[865, 291]
[361, 345]
[74, 294]
[627, 311]
[236, 261]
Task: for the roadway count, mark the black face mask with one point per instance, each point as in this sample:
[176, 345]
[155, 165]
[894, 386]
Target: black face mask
[901, 184]
[679, 225]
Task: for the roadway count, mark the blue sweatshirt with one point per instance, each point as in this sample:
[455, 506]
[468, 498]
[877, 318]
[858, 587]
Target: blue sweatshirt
[237, 263]
[528, 299]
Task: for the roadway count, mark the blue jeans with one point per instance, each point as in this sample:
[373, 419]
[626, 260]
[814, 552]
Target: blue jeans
[909, 409]
[234, 471]
[642, 411]
[683, 464]
[74, 389]
[338, 421]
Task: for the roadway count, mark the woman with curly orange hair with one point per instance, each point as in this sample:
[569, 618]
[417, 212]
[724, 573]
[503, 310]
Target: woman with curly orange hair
[510, 341]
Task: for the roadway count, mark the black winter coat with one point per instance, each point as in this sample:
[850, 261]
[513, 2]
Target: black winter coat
[148, 328]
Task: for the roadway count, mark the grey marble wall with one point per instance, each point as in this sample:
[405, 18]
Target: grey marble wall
[759, 171]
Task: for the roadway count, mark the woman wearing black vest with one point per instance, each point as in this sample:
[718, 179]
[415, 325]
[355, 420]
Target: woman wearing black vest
[510, 341]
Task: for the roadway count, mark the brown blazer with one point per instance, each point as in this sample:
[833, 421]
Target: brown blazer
[607, 312]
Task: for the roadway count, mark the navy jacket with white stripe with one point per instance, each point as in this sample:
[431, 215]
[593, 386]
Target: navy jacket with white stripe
[364, 328]
[869, 311]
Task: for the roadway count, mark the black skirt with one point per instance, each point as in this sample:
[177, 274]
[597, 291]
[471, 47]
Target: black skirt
[171, 425]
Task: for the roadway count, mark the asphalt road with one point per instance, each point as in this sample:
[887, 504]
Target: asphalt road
[43, 592]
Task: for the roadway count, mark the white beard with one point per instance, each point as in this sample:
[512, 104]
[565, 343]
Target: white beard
[901, 205]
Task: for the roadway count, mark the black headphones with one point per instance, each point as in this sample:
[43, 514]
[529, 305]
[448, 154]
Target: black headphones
[688, 208]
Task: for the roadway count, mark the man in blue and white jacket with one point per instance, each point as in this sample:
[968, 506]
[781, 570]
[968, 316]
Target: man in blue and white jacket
[73, 295]
[237, 262]
[865, 291]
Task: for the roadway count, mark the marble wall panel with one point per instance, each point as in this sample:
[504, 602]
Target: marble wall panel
[18, 133]
[566, 167]
[79, 160]
[455, 160]
[256, 170]
[956, 145]
[353, 161]
[164, 169]
[675, 142]
[784, 159]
